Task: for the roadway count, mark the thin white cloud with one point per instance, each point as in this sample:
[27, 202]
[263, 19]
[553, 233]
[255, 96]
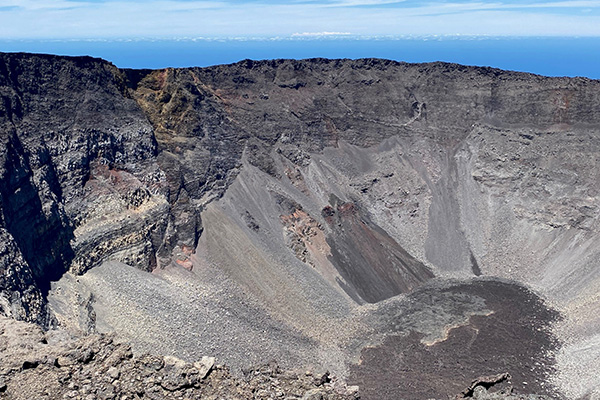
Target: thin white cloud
[172, 5]
[173, 18]
[313, 34]
[561, 4]
[33, 5]
[356, 3]
[453, 7]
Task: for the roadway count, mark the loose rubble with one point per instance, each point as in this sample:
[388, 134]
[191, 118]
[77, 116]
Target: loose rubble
[37, 365]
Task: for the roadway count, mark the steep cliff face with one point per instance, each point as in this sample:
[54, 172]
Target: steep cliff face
[292, 193]
[79, 182]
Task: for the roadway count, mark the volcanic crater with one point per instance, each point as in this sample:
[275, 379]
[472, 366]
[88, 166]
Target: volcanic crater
[421, 231]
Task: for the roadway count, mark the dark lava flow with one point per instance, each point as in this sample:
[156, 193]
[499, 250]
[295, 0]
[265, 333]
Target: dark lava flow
[514, 338]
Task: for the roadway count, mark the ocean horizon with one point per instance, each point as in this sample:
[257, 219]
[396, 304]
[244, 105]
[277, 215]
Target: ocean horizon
[549, 56]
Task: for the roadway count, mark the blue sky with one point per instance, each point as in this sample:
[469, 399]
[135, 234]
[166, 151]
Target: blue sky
[110, 19]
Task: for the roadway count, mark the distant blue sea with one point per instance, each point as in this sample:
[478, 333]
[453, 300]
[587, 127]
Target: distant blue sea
[566, 56]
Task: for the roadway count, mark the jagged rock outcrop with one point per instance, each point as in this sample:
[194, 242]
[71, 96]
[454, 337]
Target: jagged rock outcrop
[487, 388]
[31, 215]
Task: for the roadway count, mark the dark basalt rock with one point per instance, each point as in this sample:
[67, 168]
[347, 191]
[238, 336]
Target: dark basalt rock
[20, 297]
[512, 343]
[33, 213]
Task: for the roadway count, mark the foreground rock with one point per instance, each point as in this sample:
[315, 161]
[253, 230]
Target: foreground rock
[35, 365]
[54, 365]
[495, 387]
